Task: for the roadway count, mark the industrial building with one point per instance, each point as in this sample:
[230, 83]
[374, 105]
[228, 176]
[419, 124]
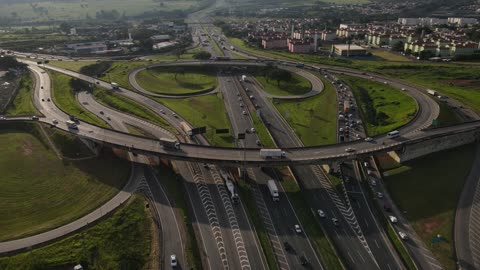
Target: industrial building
[348, 50]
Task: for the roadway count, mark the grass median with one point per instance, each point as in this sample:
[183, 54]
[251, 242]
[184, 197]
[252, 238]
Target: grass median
[64, 98]
[297, 85]
[428, 195]
[121, 241]
[71, 65]
[382, 107]
[22, 104]
[208, 111]
[129, 106]
[177, 80]
[313, 119]
[41, 192]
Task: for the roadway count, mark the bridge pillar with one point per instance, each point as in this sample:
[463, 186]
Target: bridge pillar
[93, 146]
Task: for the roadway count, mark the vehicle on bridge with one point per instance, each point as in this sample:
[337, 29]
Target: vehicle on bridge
[272, 187]
[393, 134]
[71, 124]
[114, 85]
[170, 143]
[272, 153]
[186, 128]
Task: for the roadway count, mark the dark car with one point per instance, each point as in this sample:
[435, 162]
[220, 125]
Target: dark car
[287, 247]
[303, 260]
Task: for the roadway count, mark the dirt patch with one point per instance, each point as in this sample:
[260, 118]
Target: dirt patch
[27, 147]
[432, 225]
[464, 83]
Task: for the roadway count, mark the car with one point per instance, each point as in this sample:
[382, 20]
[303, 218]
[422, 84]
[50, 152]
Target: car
[373, 182]
[175, 115]
[404, 89]
[41, 87]
[54, 121]
[238, 94]
[369, 172]
[251, 97]
[256, 106]
[303, 260]
[241, 105]
[97, 82]
[392, 219]
[228, 80]
[385, 82]
[48, 99]
[173, 260]
[252, 130]
[368, 139]
[162, 111]
[102, 113]
[239, 98]
[287, 247]
[244, 112]
[366, 164]
[379, 195]
[335, 221]
[258, 142]
[349, 150]
[321, 213]
[403, 235]
[2, 118]
[297, 228]
[43, 99]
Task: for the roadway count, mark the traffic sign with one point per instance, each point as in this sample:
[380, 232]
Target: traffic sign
[222, 131]
[241, 136]
[199, 130]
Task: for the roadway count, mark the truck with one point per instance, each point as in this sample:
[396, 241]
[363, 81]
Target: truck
[169, 143]
[272, 187]
[71, 124]
[230, 186]
[272, 153]
[186, 128]
[114, 85]
[432, 92]
[346, 106]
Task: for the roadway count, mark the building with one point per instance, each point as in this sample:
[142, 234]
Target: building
[163, 45]
[349, 50]
[274, 43]
[160, 38]
[300, 46]
[87, 47]
[462, 21]
[464, 49]
[328, 36]
[408, 21]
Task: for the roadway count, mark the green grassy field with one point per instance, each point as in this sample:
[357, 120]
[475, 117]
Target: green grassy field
[389, 56]
[206, 111]
[429, 195]
[40, 192]
[447, 116]
[298, 85]
[22, 104]
[78, 10]
[119, 73]
[314, 119]
[262, 132]
[64, 98]
[129, 106]
[121, 241]
[171, 81]
[382, 107]
[71, 65]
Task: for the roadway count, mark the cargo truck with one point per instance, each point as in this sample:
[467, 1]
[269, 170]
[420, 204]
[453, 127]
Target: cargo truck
[272, 187]
[114, 85]
[346, 106]
[169, 143]
[71, 124]
[186, 128]
[432, 92]
[272, 153]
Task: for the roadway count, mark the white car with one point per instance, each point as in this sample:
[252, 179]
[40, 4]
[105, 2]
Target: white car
[252, 130]
[162, 111]
[55, 121]
[404, 89]
[379, 195]
[244, 112]
[392, 219]
[321, 213]
[173, 260]
[373, 183]
[298, 229]
[175, 115]
[368, 139]
[385, 82]
[403, 235]
[350, 149]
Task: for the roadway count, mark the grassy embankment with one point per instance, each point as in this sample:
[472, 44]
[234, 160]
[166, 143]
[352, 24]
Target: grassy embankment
[297, 85]
[177, 81]
[22, 104]
[129, 106]
[52, 192]
[428, 195]
[206, 111]
[64, 98]
[71, 65]
[382, 107]
[121, 241]
[314, 119]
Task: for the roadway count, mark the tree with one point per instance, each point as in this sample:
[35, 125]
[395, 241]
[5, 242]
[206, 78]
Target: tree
[279, 75]
[176, 71]
[398, 47]
[65, 27]
[203, 55]
[178, 52]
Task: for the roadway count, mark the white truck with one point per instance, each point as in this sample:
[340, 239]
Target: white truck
[71, 124]
[432, 92]
[230, 186]
[272, 153]
[114, 85]
[273, 190]
[186, 128]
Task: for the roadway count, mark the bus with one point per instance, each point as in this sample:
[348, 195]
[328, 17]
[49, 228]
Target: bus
[393, 134]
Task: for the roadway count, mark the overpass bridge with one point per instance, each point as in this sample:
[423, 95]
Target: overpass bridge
[406, 147]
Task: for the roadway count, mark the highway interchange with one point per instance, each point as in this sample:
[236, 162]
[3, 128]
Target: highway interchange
[227, 238]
